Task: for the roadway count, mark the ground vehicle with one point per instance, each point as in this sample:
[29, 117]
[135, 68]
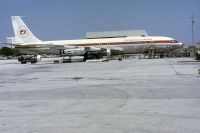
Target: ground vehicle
[29, 58]
[94, 55]
[197, 54]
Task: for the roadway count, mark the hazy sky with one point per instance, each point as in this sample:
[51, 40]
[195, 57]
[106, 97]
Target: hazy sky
[71, 19]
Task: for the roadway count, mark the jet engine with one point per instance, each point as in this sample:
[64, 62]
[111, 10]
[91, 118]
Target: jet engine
[74, 51]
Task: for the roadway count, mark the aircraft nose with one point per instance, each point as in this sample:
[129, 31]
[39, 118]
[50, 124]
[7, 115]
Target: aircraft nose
[180, 44]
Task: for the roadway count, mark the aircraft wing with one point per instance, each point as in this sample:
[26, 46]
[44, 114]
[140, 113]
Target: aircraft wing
[103, 48]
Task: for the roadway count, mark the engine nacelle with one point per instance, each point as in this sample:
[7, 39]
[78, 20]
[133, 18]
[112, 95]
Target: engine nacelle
[39, 57]
[74, 51]
[108, 51]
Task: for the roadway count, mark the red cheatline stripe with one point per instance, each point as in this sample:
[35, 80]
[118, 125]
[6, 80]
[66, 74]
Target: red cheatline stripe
[124, 43]
[104, 44]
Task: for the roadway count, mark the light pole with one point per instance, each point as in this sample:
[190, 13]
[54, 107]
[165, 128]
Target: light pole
[193, 22]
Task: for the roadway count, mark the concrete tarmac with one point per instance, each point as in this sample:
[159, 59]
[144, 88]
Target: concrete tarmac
[141, 96]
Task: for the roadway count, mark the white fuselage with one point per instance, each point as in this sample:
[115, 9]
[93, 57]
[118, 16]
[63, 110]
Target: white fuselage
[134, 44]
[130, 45]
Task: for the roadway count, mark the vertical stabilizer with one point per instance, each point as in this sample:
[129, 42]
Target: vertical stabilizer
[22, 32]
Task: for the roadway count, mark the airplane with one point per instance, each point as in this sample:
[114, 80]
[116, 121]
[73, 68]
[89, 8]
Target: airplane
[25, 39]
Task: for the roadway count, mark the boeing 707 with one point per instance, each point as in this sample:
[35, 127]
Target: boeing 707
[25, 39]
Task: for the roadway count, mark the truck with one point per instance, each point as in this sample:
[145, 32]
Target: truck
[197, 54]
[29, 58]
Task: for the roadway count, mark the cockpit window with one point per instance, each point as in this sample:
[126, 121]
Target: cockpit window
[174, 41]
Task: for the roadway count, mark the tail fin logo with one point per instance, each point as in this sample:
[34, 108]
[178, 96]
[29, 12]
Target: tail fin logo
[22, 32]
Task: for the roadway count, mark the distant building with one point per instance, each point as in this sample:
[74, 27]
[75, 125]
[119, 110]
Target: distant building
[115, 34]
[11, 40]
